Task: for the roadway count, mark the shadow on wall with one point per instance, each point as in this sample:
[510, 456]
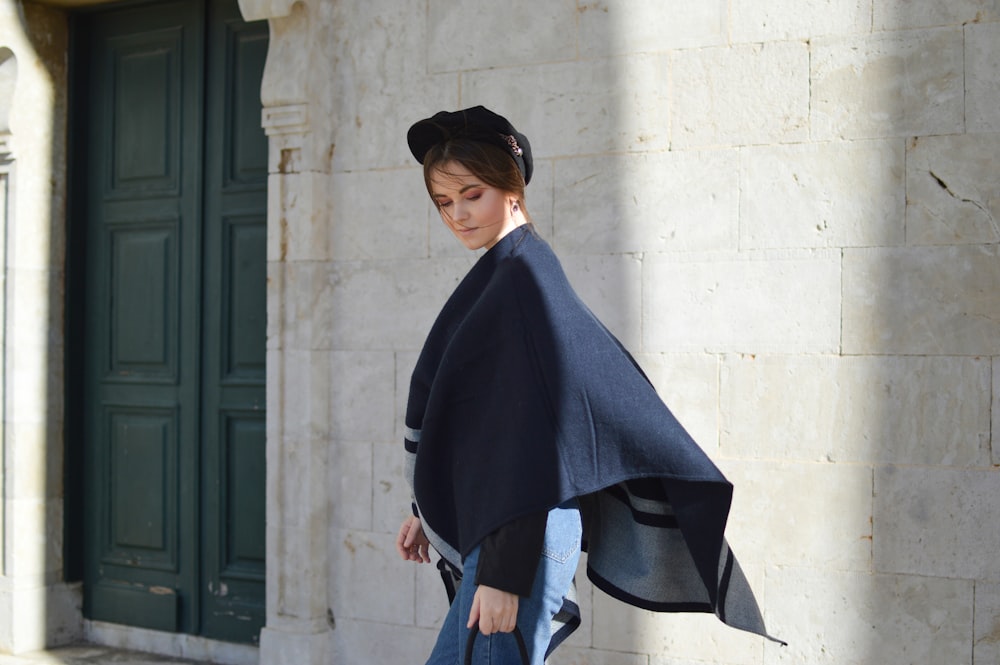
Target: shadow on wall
[924, 307]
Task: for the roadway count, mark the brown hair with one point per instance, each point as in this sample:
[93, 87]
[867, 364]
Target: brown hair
[490, 163]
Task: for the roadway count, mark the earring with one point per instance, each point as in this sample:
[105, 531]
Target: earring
[515, 208]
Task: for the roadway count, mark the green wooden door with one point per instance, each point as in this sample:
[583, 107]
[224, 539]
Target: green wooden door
[173, 292]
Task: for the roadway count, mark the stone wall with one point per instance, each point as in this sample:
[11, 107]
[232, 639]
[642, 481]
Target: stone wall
[36, 606]
[787, 210]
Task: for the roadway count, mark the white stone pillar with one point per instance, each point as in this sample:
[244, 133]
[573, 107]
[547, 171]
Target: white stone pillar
[37, 608]
[298, 626]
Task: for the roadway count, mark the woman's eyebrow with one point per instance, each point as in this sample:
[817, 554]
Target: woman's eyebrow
[461, 191]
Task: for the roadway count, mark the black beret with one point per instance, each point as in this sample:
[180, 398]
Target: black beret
[478, 124]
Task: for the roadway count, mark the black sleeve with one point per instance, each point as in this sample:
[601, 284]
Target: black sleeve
[508, 557]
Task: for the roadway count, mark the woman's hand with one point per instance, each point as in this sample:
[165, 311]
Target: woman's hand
[495, 610]
[411, 543]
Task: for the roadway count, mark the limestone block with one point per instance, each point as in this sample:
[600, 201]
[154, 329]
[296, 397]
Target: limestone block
[275, 305]
[857, 409]
[466, 34]
[892, 15]
[289, 647]
[995, 429]
[889, 84]
[647, 202]
[378, 215]
[569, 655]
[391, 495]
[922, 300]
[34, 310]
[689, 385]
[801, 514]
[610, 286]
[299, 219]
[34, 459]
[623, 628]
[775, 21]
[405, 362]
[822, 195]
[615, 27]
[741, 95]
[385, 305]
[835, 617]
[35, 547]
[296, 574]
[191, 648]
[432, 599]
[933, 522]
[589, 107]
[987, 624]
[379, 52]
[369, 642]
[305, 299]
[350, 485]
[298, 483]
[304, 398]
[750, 302]
[982, 76]
[370, 581]
[362, 386]
[952, 191]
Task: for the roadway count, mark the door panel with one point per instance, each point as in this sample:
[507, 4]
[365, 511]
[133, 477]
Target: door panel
[234, 329]
[172, 394]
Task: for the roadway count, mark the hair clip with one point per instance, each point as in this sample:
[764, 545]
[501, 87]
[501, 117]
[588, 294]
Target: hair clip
[512, 142]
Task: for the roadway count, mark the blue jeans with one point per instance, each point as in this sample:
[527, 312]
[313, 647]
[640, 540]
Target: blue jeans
[556, 570]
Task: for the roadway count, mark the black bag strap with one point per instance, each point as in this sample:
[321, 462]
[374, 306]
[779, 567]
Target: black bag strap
[474, 631]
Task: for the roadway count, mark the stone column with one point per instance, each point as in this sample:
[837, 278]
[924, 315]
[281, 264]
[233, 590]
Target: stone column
[37, 608]
[297, 631]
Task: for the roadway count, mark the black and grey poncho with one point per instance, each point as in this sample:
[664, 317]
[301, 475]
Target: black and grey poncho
[521, 399]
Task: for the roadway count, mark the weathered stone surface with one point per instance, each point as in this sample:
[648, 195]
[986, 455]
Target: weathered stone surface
[752, 302]
[986, 639]
[801, 514]
[952, 190]
[822, 195]
[362, 558]
[931, 522]
[650, 202]
[381, 304]
[741, 95]
[623, 628]
[922, 300]
[995, 429]
[369, 67]
[362, 398]
[774, 21]
[889, 84]
[615, 27]
[459, 29]
[907, 409]
[831, 617]
[610, 287]
[351, 483]
[589, 107]
[391, 495]
[370, 642]
[893, 15]
[689, 386]
[378, 215]
[982, 76]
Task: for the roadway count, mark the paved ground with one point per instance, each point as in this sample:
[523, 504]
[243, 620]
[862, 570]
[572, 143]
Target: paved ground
[91, 655]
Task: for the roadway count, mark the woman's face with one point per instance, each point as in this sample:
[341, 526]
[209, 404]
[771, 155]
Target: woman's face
[478, 215]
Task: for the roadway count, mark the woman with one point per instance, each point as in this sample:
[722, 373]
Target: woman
[531, 432]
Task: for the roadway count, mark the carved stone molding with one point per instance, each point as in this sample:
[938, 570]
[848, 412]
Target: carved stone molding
[287, 119]
[258, 10]
[6, 149]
